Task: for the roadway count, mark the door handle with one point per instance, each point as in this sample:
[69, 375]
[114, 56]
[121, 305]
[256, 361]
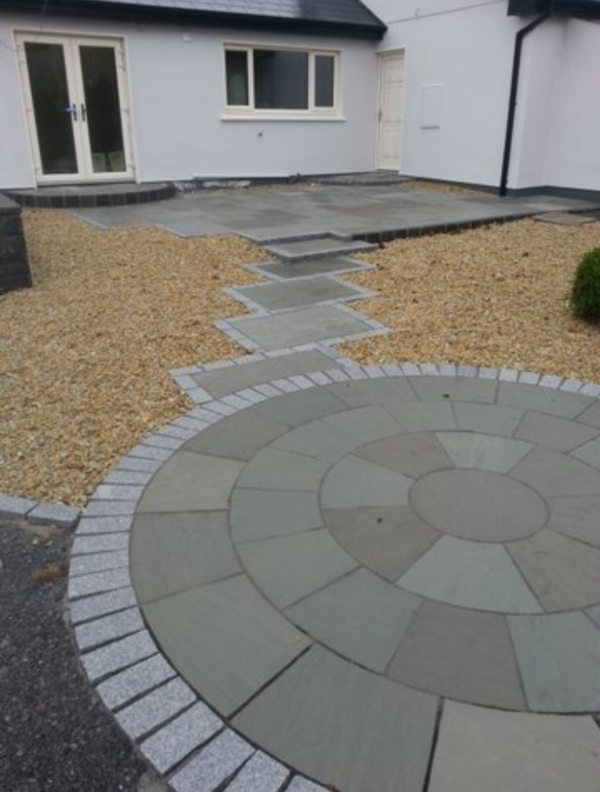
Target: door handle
[72, 111]
[83, 112]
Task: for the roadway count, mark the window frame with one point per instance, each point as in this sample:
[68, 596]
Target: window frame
[249, 111]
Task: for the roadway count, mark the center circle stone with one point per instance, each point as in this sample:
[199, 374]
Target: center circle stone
[479, 505]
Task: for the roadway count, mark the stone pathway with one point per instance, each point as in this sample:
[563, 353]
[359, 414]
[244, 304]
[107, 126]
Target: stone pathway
[359, 578]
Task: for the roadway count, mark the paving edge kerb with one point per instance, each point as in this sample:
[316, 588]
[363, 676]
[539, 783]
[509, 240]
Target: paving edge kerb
[188, 744]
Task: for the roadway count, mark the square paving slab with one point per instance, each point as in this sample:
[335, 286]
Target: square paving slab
[303, 326]
[225, 639]
[483, 750]
[309, 247]
[282, 296]
[287, 270]
[383, 732]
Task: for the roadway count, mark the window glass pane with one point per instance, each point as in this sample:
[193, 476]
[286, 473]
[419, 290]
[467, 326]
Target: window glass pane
[281, 80]
[102, 108]
[324, 80]
[51, 105]
[236, 65]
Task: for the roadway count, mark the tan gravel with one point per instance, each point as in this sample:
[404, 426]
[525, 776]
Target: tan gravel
[85, 355]
[495, 296]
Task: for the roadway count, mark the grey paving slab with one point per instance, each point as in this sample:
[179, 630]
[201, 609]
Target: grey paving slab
[287, 568]
[100, 543]
[455, 389]
[299, 408]
[462, 654]
[478, 505]
[98, 562]
[234, 378]
[594, 614]
[119, 654]
[421, 417]
[54, 514]
[108, 628]
[135, 680]
[589, 453]
[304, 785]
[175, 552]
[591, 415]
[556, 475]
[544, 400]
[470, 575]
[355, 482]
[84, 585]
[101, 525]
[360, 616]
[220, 760]
[11, 508]
[485, 749]
[260, 774]
[383, 731]
[576, 517]
[413, 454]
[324, 265]
[319, 440]
[256, 514]
[365, 423]
[101, 604]
[302, 326]
[238, 436]
[558, 657]
[386, 540]
[558, 433]
[563, 573]
[368, 392]
[482, 451]
[155, 708]
[298, 293]
[191, 482]
[180, 737]
[276, 468]
[316, 246]
[225, 640]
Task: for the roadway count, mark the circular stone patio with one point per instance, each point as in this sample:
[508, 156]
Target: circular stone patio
[327, 567]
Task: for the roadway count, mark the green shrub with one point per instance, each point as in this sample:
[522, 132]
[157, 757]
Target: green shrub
[585, 294]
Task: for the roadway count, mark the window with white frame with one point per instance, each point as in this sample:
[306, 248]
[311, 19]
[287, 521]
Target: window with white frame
[261, 81]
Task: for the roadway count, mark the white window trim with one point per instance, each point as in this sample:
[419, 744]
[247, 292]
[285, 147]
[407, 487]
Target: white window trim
[250, 113]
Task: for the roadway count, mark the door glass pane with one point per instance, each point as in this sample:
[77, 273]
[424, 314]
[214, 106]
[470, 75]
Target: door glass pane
[102, 110]
[324, 80]
[236, 64]
[281, 80]
[51, 107]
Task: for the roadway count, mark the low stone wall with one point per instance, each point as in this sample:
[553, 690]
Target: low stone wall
[14, 264]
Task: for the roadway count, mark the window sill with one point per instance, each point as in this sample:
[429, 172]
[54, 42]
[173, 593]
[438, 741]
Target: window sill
[260, 117]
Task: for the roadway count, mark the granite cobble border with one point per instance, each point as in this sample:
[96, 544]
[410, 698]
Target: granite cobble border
[175, 730]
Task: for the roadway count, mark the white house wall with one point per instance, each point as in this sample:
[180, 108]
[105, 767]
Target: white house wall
[177, 85]
[573, 155]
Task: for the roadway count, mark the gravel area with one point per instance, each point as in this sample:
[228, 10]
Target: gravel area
[56, 734]
[494, 296]
[85, 355]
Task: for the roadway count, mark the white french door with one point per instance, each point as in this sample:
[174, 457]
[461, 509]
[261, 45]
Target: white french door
[77, 107]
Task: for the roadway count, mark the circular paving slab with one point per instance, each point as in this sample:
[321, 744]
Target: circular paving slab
[325, 567]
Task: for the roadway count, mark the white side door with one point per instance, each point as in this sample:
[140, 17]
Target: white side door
[77, 107]
[391, 101]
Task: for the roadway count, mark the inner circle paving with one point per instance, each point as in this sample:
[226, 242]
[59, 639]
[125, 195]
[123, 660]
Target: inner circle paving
[327, 567]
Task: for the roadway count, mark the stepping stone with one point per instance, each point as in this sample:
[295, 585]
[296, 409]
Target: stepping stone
[470, 575]
[306, 325]
[314, 246]
[463, 654]
[559, 657]
[176, 552]
[309, 291]
[325, 265]
[288, 568]
[225, 640]
[482, 749]
[383, 731]
[358, 616]
[231, 379]
[563, 218]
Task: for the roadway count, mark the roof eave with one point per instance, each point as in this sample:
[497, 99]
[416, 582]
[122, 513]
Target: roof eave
[125, 11]
[583, 9]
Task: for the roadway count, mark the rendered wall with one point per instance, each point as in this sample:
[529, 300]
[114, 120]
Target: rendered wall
[178, 100]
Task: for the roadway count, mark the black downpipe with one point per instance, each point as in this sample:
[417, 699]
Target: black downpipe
[512, 102]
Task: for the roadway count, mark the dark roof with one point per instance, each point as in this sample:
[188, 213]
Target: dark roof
[585, 9]
[345, 17]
